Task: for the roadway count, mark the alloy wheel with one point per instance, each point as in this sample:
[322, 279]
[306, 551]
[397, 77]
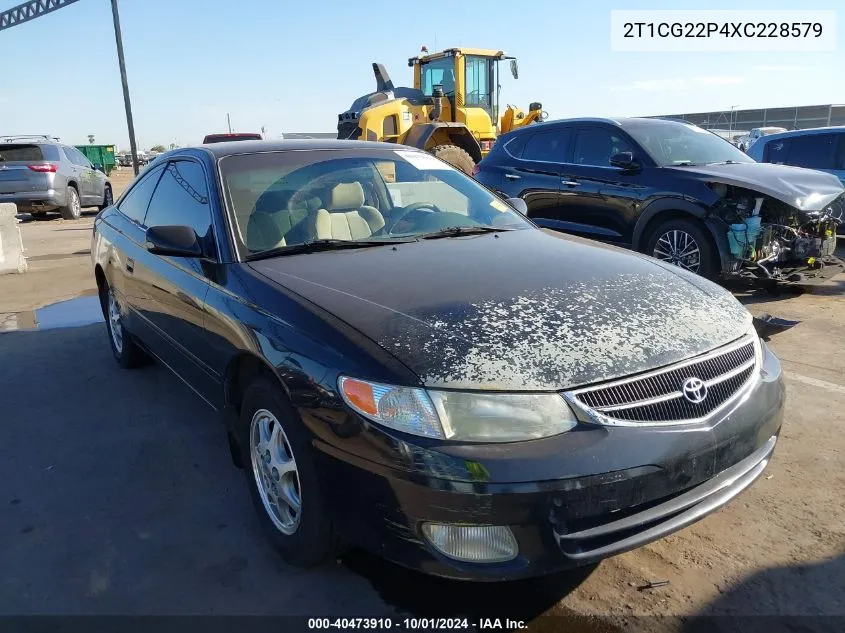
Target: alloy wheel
[679, 248]
[275, 472]
[75, 207]
[115, 328]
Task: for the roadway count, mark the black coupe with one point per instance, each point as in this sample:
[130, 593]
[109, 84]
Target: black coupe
[408, 364]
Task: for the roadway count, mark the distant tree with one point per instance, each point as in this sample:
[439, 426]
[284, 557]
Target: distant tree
[173, 146]
[91, 139]
[157, 148]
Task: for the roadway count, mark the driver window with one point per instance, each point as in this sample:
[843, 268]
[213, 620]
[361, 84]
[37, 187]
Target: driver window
[477, 85]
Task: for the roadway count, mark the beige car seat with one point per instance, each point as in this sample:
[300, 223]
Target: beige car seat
[346, 217]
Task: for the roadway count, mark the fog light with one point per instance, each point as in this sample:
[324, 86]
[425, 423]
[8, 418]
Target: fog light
[472, 543]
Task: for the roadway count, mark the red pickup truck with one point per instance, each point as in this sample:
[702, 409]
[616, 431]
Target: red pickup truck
[232, 136]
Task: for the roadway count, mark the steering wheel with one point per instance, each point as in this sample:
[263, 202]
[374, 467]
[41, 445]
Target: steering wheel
[397, 215]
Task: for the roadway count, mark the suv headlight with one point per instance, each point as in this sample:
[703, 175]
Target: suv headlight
[459, 415]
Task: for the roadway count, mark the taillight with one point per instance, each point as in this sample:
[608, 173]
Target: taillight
[475, 169]
[486, 146]
[44, 168]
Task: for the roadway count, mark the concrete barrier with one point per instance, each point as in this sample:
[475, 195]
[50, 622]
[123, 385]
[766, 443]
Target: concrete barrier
[11, 244]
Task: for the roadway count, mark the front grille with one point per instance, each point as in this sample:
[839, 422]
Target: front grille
[658, 397]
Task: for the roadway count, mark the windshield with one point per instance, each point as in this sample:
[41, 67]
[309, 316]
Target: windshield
[439, 72]
[671, 143]
[284, 199]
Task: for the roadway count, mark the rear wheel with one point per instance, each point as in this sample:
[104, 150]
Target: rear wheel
[73, 209]
[685, 244]
[455, 156]
[126, 351]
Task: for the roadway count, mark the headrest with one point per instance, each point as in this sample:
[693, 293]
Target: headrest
[346, 195]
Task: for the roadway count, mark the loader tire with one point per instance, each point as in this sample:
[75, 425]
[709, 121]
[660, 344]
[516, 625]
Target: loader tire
[455, 156]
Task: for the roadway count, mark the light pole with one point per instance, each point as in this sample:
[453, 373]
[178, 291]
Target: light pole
[129, 122]
[731, 122]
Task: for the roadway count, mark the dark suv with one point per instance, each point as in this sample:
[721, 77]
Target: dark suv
[674, 191]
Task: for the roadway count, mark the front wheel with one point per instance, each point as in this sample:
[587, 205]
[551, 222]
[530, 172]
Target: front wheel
[455, 156]
[279, 467]
[685, 244]
[108, 198]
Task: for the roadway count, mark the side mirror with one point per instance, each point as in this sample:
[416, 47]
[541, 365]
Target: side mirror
[97, 166]
[624, 160]
[519, 205]
[173, 241]
[515, 69]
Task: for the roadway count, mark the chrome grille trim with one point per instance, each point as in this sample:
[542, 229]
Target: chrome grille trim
[655, 398]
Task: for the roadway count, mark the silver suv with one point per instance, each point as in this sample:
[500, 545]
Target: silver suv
[40, 174]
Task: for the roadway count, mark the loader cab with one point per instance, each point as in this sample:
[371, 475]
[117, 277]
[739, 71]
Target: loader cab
[470, 81]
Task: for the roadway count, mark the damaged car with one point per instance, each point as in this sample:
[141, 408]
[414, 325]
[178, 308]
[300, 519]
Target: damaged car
[407, 364]
[676, 192]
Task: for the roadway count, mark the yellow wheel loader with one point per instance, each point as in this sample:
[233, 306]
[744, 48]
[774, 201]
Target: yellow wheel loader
[452, 111]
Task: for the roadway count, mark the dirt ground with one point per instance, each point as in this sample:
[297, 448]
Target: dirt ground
[777, 549]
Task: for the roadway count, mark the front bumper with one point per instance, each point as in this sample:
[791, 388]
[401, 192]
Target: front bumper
[569, 500]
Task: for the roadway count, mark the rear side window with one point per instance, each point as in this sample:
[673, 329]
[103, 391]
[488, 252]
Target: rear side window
[595, 146]
[27, 153]
[181, 198]
[134, 203]
[548, 146]
[815, 151]
[776, 151]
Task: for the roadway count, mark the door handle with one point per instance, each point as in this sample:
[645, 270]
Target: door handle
[512, 177]
[130, 265]
[571, 183]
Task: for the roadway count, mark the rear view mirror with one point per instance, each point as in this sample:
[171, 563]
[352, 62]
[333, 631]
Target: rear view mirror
[515, 69]
[519, 205]
[623, 160]
[173, 241]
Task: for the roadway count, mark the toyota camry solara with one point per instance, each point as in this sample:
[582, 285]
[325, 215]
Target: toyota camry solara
[407, 364]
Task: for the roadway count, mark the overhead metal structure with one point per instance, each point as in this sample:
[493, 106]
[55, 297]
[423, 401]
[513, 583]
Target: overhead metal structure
[29, 11]
[37, 8]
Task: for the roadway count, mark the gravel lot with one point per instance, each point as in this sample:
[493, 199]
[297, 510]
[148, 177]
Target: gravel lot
[118, 495]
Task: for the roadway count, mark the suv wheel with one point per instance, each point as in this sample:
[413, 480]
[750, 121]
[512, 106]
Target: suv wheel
[683, 243]
[74, 207]
[108, 198]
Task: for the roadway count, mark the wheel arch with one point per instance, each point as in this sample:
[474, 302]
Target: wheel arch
[678, 209]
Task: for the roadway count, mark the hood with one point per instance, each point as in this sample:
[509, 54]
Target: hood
[521, 310]
[805, 189]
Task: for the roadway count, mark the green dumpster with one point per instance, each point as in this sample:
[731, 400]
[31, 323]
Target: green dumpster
[102, 155]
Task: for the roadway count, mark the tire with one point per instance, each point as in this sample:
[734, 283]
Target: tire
[676, 241]
[74, 206]
[304, 538]
[124, 348]
[108, 198]
[455, 156]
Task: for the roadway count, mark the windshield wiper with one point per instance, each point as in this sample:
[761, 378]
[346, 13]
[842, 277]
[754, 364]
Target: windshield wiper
[727, 162]
[314, 246]
[685, 163]
[454, 231]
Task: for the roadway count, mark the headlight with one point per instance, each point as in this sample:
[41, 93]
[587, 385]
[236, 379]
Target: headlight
[460, 416]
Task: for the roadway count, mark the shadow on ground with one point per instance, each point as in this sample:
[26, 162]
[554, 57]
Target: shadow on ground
[793, 599]
[118, 496]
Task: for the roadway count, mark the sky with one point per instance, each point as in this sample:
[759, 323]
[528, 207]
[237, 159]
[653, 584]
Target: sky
[293, 66]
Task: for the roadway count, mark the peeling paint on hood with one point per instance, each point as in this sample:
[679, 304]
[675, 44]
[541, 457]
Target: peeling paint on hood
[523, 311]
[805, 189]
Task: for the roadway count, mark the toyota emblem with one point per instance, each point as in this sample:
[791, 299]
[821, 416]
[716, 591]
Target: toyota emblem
[694, 390]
